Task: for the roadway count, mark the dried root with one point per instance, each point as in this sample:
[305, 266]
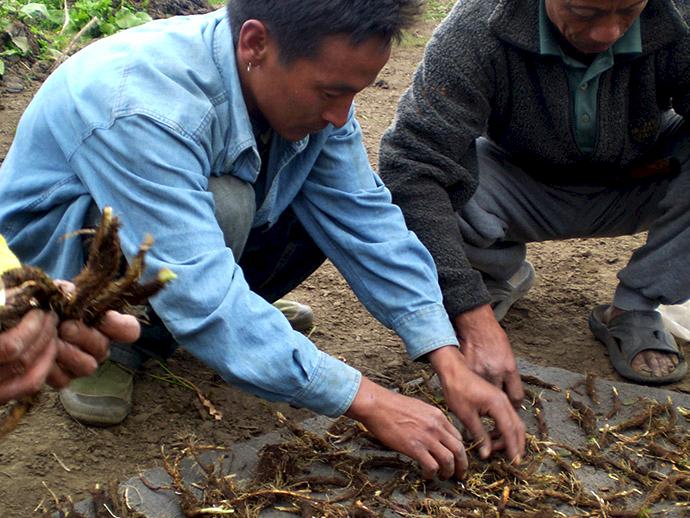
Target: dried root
[583, 415]
[591, 388]
[98, 289]
[309, 475]
[338, 475]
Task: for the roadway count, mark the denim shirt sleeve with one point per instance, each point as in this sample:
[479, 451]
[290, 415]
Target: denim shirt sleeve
[152, 176]
[348, 211]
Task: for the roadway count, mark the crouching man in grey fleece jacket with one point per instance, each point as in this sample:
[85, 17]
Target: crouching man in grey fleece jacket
[535, 120]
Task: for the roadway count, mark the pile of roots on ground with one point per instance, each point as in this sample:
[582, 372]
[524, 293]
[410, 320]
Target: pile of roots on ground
[640, 463]
[98, 288]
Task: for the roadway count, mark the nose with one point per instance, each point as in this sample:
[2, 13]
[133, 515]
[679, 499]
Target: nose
[337, 112]
[607, 32]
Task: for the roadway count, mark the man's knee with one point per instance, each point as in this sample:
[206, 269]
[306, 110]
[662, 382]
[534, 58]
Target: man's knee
[235, 209]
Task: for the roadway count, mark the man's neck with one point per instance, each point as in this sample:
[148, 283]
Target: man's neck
[584, 58]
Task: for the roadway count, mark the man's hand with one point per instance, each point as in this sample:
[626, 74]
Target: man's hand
[82, 348]
[470, 397]
[412, 427]
[486, 350]
[27, 354]
[36, 351]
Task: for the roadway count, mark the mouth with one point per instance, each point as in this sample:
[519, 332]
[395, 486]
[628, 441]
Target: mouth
[594, 48]
[300, 134]
[316, 129]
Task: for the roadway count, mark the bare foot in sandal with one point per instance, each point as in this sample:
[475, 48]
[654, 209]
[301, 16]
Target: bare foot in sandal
[655, 363]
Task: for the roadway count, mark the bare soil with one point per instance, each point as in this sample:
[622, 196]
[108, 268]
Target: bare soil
[50, 452]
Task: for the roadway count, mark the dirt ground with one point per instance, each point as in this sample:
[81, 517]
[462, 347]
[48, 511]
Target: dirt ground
[50, 452]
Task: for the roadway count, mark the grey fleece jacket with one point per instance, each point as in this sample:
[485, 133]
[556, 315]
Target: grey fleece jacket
[482, 74]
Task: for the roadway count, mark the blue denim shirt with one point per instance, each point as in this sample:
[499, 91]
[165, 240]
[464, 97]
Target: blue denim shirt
[139, 121]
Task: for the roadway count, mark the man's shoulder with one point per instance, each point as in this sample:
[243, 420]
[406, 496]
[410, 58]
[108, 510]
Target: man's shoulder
[472, 14]
[165, 69]
[665, 24]
[480, 27]
[665, 10]
[683, 7]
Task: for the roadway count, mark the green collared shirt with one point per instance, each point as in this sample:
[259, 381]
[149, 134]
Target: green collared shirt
[583, 79]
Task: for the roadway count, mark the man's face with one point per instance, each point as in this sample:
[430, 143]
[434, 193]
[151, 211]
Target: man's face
[592, 26]
[306, 95]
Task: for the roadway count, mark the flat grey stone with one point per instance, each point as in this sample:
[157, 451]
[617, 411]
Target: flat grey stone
[155, 498]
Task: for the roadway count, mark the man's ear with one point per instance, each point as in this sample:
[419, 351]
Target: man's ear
[253, 43]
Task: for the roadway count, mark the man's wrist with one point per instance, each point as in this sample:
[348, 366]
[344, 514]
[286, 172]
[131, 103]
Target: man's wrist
[449, 364]
[475, 317]
[364, 401]
[442, 357]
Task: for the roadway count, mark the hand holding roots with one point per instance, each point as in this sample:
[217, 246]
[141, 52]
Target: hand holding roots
[98, 288]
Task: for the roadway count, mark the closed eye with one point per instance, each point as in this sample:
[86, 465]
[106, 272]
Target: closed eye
[586, 14]
[328, 95]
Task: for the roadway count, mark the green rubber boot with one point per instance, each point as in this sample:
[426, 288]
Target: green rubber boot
[102, 399]
[300, 316]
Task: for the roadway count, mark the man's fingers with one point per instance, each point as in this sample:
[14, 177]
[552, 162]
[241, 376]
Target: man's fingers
[495, 379]
[36, 327]
[453, 431]
[75, 362]
[65, 286]
[479, 433]
[120, 328]
[458, 462]
[514, 389]
[96, 341]
[58, 378]
[26, 342]
[445, 460]
[427, 462]
[86, 338]
[440, 451]
[32, 380]
[456, 446]
[512, 430]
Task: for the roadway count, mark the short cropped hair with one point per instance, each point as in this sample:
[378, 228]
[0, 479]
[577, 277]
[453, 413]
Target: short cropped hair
[299, 26]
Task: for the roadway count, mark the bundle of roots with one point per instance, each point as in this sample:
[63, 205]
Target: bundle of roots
[97, 289]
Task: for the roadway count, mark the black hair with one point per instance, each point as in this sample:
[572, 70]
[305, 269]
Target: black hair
[299, 26]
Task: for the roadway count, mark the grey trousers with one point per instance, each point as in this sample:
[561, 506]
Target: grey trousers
[512, 208]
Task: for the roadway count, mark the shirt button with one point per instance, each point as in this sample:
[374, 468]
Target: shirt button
[585, 118]
[584, 86]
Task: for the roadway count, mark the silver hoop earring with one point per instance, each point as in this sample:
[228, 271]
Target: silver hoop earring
[249, 66]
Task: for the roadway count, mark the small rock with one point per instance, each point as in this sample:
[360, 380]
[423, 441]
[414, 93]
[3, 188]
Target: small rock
[140, 417]
[14, 88]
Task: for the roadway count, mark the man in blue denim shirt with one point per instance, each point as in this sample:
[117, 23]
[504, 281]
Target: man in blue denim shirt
[184, 135]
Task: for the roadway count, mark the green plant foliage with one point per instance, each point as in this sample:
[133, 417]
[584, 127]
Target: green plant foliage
[438, 9]
[53, 31]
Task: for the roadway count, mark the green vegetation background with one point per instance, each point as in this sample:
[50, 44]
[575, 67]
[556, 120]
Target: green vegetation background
[44, 29]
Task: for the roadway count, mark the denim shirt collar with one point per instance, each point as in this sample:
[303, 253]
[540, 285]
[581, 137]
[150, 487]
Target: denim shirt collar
[240, 131]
